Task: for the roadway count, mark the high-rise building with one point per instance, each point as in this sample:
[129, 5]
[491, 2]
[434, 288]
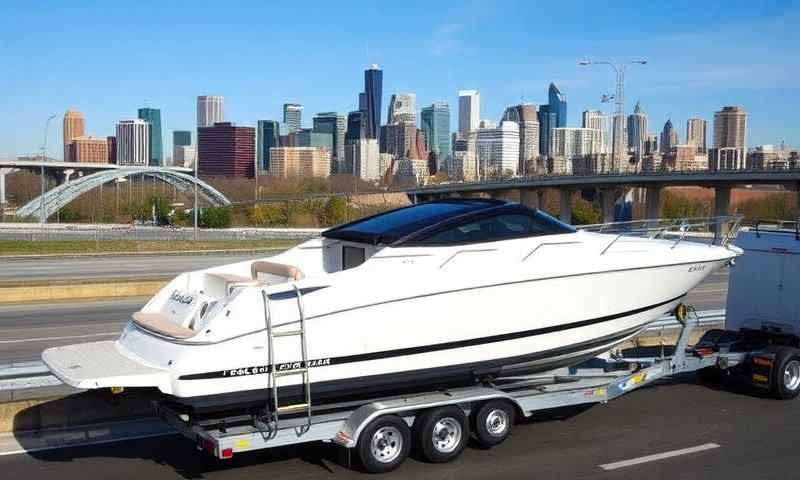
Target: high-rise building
[669, 137]
[356, 127]
[651, 145]
[267, 137]
[184, 156]
[402, 108]
[570, 144]
[525, 116]
[73, 128]
[558, 105]
[696, 133]
[293, 116]
[153, 117]
[730, 128]
[729, 151]
[181, 137]
[596, 120]
[89, 150]
[364, 159]
[463, 164]
[303, 162]
[210, 110]
[637, 130]
[373, 92]
[498, 149]
[112, 149]
[306, 137]
[133, 142]
[435, 121]
[336, 125]
[400, 140]
[226, 150]
[469, 110]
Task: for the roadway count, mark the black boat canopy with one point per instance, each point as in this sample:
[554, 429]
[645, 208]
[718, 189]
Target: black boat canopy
[419, 224]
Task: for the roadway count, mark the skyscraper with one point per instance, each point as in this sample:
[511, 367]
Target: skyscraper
[293, 116]
[181, 138]
[669, 137]
[226, 150]
[373, 90]
[435, 121]
[525, 116]
[133, 142]
[558, 105]
[153, 117]
[210, 110]
[596, 120]
[402, 108]
[696, 133]
[356, 127]
[469, 110]
[730, 140]
[730, 128]
[267, 137]
[89, 150]
[335, 124]
[498, 149]
[637, 130]
[73, 128]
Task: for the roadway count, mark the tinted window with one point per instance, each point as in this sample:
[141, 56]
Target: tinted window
[352, 257]
[395, 224]
[498, 227]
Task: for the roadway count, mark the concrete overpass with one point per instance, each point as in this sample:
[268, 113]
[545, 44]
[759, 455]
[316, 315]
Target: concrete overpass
[530, 190]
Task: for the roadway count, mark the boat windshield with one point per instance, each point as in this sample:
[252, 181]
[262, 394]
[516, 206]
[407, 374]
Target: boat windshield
[395, 224]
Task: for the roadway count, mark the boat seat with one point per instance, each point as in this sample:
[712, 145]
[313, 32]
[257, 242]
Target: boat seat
[159, 323]
[288, 272]
[231, 280]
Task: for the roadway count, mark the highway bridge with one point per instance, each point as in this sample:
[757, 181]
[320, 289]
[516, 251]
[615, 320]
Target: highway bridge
[530, 190]
[74, 179]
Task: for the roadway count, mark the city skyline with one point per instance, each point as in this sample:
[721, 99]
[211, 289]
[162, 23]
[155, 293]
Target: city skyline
[759, 76]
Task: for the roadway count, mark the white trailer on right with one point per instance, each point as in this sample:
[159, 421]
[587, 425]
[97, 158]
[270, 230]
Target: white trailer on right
[762, 312]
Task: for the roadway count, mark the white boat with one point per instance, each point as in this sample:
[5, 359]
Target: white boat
[434, 294]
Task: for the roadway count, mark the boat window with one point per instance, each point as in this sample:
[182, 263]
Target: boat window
[497, 227]
[352, 257]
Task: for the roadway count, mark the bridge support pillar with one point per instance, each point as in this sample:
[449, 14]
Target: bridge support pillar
[566, 206]
[722, 205]
[607, 199]
[652, 203]
[531, 198]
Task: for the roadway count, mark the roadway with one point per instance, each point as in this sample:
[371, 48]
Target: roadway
[26, 330]
[734, 435]
[113, 266]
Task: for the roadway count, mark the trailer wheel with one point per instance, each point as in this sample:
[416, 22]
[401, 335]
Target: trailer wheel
[786, 374]
[440, 434]
[384, 444]
[492, 422]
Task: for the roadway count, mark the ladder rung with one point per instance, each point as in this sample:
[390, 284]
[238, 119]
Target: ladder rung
[293, 371]
[294, 408]
[290, 333]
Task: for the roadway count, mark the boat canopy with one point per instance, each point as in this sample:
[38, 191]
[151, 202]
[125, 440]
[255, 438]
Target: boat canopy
[449, 222]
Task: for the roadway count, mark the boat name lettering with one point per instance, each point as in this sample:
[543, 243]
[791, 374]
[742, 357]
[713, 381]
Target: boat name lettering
[697, 268]
[281, 367]
[181, 298]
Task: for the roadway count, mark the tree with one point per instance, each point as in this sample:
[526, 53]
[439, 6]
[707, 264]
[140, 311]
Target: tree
[334, 212]
[216, 217]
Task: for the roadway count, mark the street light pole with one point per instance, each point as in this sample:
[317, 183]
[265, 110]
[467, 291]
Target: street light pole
[42, 217]
[619, 104]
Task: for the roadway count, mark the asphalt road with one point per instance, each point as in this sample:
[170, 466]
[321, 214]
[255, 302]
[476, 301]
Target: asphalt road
[112, 266]
[26, 330]
[755, 438]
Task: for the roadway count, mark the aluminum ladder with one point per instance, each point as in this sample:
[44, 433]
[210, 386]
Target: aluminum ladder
[273, 414]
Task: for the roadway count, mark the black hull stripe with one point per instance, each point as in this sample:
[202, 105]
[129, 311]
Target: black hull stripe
[410, 381]
[401, 352]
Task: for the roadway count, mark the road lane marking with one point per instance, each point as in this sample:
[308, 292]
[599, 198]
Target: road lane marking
[69, 337]
[658, 456]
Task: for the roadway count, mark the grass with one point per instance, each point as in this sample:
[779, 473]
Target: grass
[25, 247]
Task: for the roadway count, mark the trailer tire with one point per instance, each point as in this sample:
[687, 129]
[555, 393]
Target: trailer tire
[440, 434]
[785, 384]
[492, 422]
[384, 444]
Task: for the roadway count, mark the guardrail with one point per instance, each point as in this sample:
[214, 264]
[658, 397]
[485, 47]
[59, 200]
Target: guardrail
[28, 375]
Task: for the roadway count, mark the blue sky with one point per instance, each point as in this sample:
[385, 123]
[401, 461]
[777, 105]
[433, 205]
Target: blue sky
[108, 58]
